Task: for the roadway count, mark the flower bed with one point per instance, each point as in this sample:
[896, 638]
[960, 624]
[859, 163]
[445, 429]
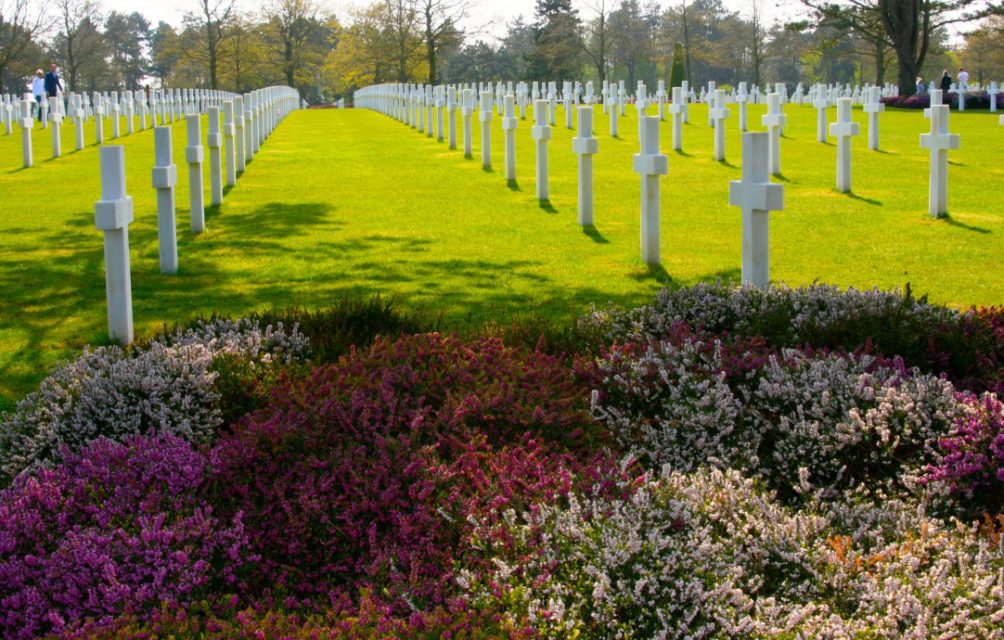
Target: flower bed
[732, 464]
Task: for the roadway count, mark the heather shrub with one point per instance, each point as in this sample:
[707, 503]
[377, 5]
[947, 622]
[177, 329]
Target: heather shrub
[165, 387]
[115, 528]
[367, 474]
[350, 322]
[969, 346]
[972, 465]
[372, 620]
[686, 556]
[798, 420]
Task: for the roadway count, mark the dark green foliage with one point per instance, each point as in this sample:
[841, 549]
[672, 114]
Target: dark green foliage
[676, 74]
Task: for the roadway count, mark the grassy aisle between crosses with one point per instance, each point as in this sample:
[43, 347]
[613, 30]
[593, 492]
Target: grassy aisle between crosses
[352, 202]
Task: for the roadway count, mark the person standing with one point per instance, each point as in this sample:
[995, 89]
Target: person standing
[946, 83]
[963, 79]
[52, 82]
[38, 90]
[921, 87]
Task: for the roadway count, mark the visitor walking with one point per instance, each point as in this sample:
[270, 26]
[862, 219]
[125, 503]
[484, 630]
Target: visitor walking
[963, 79]
[946, 82]
[38, 90]
[921, 87]
[52, 82]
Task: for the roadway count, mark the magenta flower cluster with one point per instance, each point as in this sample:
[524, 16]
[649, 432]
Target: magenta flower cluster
[114, 528]
[973, 462]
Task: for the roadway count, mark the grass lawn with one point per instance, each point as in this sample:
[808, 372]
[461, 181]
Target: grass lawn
[353, 202]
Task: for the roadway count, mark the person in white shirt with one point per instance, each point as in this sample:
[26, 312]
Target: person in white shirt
[38, 90]
[963, 79]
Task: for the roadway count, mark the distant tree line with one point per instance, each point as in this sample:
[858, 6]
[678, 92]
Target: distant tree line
[302, 44]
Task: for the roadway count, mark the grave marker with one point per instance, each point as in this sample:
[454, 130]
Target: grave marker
[113, 214]
[774, 121]
[743, 100]
[77, 115]
[56, 118]
[485, 116]
[27, 123]
[194, 156]
[939, 141]
[229, 149]
[164, 177]
[99, 112]
[541, 132]
[757, 196]
[718, 114]
[678, 110]
[467, 111]
[585, 146]
[451, 110]
[821, 104]
[873, 108]
[650, 164]
[214, 140]
[509, 126]
[843, 129]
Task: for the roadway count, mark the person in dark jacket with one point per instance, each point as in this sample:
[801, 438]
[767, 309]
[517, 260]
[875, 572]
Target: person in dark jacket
[946, 81]
[52, 82]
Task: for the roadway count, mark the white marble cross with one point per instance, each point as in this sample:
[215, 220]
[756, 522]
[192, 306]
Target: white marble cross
[774, 121]
[241, 132]
[660, 96]
[742, 99]
[99, 113]
[116, 112]
[685, 87]
[585, 146]
[821, 103]
[485, 116]
[757, 196]
[843, 129]
[440, 103]
[678, 110]
[509, 126]
[541, 132]
[712, 87]
[650, 164]
[566, 96]
[621, 98]
[451, 111]
[719, 113]
[613, 118]
[194, 156]
[467, 112]
[164, 177]
[873, 107]
[229, 142]
[113, 214]
[214, 140]
[77, 115]
[939, 141]
[936, 101]
[27, 124]
[56, 118]
[993, 96]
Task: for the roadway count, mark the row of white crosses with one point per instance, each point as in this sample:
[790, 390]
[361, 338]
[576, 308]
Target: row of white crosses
[755, 194]
[114, 211]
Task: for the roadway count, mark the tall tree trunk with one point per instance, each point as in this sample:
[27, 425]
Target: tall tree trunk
[879, 62]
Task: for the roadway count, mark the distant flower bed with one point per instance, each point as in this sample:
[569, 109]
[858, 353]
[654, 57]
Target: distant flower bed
[974, 100]
[723, 463]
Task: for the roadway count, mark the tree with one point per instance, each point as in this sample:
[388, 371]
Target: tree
[21, 23]
[557, 44]
[676, 75]
[126, 36]
[164, 51]
[631, 37]
[595, 43]
[211, 22]
[757, 42]
[982, 53]
[908, 25]
[78, 44]
[400, 30]
[440, 20]
[243, 56]
[289, 29]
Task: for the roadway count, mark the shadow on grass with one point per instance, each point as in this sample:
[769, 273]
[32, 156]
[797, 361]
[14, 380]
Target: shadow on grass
[780, 177]
[872, 201]
[547, 206]
[681, 152]
[729, 277]
[886, 153]
[594, 234]
[513, 185]
[725, 163]
[962, 225]
[655, 272]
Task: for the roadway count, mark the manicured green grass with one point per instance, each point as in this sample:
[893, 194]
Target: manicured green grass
[353, 202]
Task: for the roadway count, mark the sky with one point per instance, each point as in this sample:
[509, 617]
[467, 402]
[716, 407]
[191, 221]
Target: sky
[489, 15]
